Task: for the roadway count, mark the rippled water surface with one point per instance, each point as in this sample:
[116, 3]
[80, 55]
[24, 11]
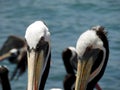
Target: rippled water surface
[66, 20]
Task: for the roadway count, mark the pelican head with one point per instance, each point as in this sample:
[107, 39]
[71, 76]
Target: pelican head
[13, 53]
[93, 51]
[70, 57]
[38, 53]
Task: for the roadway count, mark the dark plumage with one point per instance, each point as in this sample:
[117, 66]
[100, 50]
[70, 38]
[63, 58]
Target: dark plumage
[14, 49]
[103, 36]
[69, 79]
[4, 78]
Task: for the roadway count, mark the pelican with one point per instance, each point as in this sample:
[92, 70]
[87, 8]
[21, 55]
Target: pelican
[69, 79]
[14, 49]
[39, 55]
[4, 78]
[11, 47]
[92, 52]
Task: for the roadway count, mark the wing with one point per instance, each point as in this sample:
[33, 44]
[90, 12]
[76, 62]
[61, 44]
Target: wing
[12, 42]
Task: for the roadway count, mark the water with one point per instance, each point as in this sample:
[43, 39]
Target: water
[66, 20]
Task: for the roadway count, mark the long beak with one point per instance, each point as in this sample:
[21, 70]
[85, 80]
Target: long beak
[84, 68]
[37, 60]
[35, 69]
[4, 56]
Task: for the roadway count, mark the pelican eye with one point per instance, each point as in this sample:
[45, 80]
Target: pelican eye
[28, 48]
[88, 49]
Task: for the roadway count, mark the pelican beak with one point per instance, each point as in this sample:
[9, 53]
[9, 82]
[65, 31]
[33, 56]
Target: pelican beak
[6, 55]
[12, 53]
[84, 68]
[36, 65]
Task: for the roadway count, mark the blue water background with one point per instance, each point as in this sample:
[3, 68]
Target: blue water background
[66, 20]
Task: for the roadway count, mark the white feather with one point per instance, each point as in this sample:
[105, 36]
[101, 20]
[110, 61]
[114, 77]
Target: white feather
[88, 38]
[35, 31]
[14, 50]
[56, 89]
[73, 50]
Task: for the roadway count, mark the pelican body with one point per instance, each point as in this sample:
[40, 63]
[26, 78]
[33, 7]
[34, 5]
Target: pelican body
[39, 55]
